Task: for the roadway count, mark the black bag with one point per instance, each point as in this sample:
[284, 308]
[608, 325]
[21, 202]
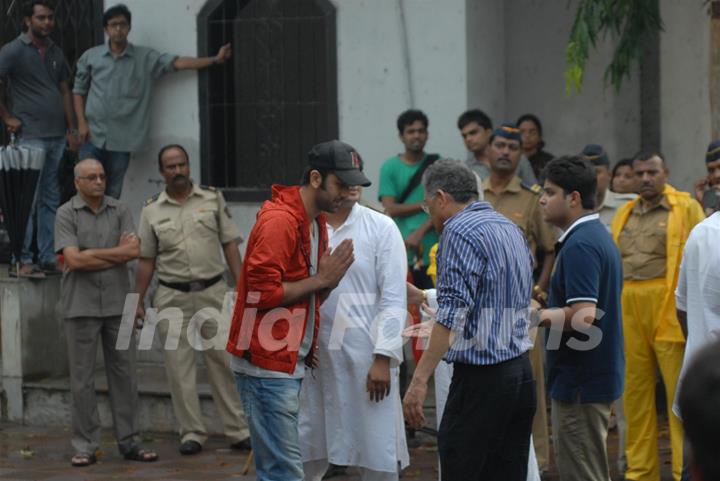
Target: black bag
[416, 178]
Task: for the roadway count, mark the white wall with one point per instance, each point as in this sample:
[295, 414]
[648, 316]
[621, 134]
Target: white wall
[168, 26]
[373, 81]
[486, 59]
[536, 35]
[685, 95]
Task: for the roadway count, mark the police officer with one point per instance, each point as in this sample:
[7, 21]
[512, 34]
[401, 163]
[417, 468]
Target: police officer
[518, 201]
[650, 232]
[181, 232]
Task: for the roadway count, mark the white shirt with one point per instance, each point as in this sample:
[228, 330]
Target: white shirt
[611, 203]
[698, 290]
[363, 316]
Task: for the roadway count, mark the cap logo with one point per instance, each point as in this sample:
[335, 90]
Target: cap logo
[355, 160]
[511, 130]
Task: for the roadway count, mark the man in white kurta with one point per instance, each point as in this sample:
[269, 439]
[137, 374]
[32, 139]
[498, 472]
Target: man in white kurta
[359, 352]
[698, 291]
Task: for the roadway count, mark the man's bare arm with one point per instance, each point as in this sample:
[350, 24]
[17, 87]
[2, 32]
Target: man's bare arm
[233, 258]
[393, 209]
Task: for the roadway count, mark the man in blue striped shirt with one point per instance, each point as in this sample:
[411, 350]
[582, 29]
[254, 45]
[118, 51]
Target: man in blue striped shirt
[483, 291]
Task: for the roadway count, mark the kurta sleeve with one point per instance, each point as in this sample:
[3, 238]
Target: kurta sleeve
[391, 273]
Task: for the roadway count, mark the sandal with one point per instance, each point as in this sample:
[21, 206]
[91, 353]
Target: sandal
[141, 455]
[26, 270]
[82, 460]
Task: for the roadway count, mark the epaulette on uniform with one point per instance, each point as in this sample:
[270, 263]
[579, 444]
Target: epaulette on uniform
[535, 188]
[152, 199]
[209, 187]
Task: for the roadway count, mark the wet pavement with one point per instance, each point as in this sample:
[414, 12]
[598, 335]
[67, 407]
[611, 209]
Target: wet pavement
[43, 454]
[39, 454]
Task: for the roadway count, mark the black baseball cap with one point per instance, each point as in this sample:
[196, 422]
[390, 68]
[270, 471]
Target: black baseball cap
[340, 158]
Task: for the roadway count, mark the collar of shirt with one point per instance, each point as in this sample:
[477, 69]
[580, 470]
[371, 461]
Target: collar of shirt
[514, 186]
[129, 50]
[578, 221]
[641, 208]
[196, 190]
[79, 203]
[25, 38]
[478, 205]
[352, 218]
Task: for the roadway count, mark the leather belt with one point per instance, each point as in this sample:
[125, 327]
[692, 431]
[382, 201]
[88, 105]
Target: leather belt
[193, 286]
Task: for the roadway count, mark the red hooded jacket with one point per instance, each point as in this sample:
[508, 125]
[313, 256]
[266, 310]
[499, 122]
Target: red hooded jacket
[278, 250]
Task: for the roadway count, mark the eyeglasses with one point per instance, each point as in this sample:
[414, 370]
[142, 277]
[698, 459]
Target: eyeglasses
[118, 25]
[93, 177]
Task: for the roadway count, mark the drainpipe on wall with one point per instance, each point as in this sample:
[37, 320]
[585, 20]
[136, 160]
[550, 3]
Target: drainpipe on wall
[715, 68]
[405, 43]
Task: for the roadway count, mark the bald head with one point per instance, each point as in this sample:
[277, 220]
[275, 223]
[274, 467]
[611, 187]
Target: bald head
[90, 179]
[82, 166]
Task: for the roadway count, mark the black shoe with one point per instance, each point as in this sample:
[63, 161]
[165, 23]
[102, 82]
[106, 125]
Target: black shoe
[334, 471]
[190, 447]
[243, 445]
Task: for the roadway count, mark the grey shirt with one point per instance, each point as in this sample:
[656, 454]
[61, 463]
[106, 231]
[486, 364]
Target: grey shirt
[93, 293]
[117, 91]
[34, 82]
[524, 169]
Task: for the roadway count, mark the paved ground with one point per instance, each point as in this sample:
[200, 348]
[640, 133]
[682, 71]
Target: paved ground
[39, 454]
[44, 455]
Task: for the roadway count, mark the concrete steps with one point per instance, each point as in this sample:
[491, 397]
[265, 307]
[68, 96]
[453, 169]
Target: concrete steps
[47, 401]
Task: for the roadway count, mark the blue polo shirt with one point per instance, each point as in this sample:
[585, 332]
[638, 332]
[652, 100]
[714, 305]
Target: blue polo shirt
[587, 367]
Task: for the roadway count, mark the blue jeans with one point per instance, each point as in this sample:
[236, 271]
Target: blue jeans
[115, 165]
[46, 202]
[271, 407]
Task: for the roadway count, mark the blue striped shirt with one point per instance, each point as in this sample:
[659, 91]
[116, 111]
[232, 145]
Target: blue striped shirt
[484, 286]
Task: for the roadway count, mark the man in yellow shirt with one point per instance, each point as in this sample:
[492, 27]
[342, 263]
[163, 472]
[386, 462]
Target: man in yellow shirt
[651, 232]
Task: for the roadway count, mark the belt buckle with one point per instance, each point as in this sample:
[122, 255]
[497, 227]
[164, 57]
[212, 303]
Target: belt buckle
[196, 286]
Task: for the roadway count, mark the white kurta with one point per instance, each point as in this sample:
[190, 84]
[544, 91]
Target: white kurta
[698, 291]
[363, 316]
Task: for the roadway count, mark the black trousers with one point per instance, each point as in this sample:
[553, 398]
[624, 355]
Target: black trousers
[485, 430]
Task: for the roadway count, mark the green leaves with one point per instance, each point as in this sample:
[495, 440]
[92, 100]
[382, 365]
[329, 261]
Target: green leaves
[628, 21]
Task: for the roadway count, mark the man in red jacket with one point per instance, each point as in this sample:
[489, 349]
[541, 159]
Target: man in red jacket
[288, 270]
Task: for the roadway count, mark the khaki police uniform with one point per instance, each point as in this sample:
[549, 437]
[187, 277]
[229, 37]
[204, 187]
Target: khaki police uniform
[185, 240]
[643, 243]
[519, 203]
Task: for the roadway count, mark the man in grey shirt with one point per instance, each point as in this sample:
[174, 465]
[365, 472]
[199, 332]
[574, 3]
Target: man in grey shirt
[95, 234]
[476, 128]
[41, 115]
[113, 86]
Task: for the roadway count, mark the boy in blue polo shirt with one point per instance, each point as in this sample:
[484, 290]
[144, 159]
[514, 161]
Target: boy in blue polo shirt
[585, 343]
